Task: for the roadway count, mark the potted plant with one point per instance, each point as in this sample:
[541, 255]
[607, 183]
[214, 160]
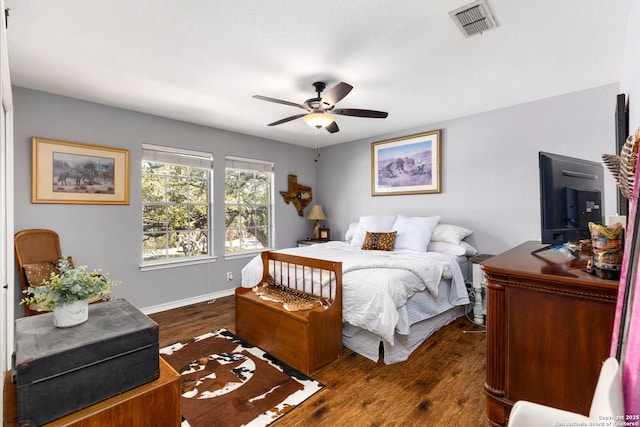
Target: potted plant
[68, 293]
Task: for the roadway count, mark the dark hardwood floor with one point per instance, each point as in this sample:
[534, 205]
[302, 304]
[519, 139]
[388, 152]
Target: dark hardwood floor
[440, 385]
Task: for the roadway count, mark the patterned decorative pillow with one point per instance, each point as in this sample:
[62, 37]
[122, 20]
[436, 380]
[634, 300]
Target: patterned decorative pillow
[379, 241]
[41, 271]
[374, 223]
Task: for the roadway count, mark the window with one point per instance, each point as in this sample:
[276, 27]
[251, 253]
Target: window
[248, 205]
[176, 200]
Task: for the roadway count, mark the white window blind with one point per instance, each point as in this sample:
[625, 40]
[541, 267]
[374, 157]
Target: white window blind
[176, 156]
[248, 164]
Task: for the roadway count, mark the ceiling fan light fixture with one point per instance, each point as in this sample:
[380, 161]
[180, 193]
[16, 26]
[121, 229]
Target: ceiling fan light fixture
[318, 120]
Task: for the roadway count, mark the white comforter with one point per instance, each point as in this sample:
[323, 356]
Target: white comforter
[375, 284]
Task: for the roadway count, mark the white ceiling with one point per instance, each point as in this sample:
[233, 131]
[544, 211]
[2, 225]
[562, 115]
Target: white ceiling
[201, 61]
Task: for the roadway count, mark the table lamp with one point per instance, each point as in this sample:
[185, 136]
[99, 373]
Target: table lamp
[316, 214]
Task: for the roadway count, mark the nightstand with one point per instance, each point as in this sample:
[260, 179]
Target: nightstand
[310, 242]
[480, 288]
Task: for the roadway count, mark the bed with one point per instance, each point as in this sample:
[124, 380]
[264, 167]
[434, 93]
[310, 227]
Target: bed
[395, 298]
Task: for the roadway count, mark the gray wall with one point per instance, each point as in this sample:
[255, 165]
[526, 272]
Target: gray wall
[489, 168]
[108, 237]
[489, 181]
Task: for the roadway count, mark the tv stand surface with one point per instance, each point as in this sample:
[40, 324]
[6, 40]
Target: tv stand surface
[557, 247]
[549, 326]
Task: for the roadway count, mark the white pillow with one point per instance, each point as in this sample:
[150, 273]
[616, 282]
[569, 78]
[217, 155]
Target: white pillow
[446, 248]
[469, 250]
[450, 233]
[351, 231]
[462, 249]
[414, 233]
[372, 223]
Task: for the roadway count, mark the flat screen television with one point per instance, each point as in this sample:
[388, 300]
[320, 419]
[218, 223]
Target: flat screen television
[571, 196]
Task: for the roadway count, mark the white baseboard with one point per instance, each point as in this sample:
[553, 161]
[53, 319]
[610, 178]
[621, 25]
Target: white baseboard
[187, 301]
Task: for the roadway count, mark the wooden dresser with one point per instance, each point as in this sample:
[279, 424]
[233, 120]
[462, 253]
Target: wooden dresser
[549, 326]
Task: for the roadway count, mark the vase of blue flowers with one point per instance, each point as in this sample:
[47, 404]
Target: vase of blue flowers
[68, 292]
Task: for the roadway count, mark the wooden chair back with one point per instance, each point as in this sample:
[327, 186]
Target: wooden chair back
[305, 275]
[35, 246]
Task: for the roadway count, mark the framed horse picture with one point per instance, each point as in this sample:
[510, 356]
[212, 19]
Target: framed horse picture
[72, 172]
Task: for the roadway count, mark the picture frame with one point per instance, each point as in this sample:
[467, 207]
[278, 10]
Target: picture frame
[324, 234]
[78, 173]
[622, 132]
[407, 165]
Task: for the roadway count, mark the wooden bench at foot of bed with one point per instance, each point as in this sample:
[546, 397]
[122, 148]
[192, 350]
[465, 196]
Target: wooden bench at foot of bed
[308, 339]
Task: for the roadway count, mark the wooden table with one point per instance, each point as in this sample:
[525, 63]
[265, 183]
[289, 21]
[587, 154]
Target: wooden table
[549, 326]
[153, 404]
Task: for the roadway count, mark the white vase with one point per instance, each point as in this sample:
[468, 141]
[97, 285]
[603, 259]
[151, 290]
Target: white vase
[71, 314]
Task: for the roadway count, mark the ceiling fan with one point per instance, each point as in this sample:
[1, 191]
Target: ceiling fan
[320, 110]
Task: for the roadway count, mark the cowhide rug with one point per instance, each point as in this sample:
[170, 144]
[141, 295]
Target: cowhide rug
[228, 382]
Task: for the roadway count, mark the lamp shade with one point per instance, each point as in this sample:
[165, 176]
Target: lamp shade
[318, 120]
[316, 213]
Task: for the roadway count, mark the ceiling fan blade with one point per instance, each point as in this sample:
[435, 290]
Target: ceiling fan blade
[280, 101]
[286, 119]
[332, 128]
[336, 93]
[356, 112]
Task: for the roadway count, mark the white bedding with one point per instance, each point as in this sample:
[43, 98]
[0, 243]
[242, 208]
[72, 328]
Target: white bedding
[377, 284]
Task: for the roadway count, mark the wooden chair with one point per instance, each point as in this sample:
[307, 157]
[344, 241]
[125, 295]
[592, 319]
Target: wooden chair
[35, 246]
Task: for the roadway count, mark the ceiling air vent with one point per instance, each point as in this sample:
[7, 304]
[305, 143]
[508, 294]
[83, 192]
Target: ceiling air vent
[474, 18]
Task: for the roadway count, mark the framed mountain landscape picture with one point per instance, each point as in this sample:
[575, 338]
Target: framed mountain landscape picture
[407, 165]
